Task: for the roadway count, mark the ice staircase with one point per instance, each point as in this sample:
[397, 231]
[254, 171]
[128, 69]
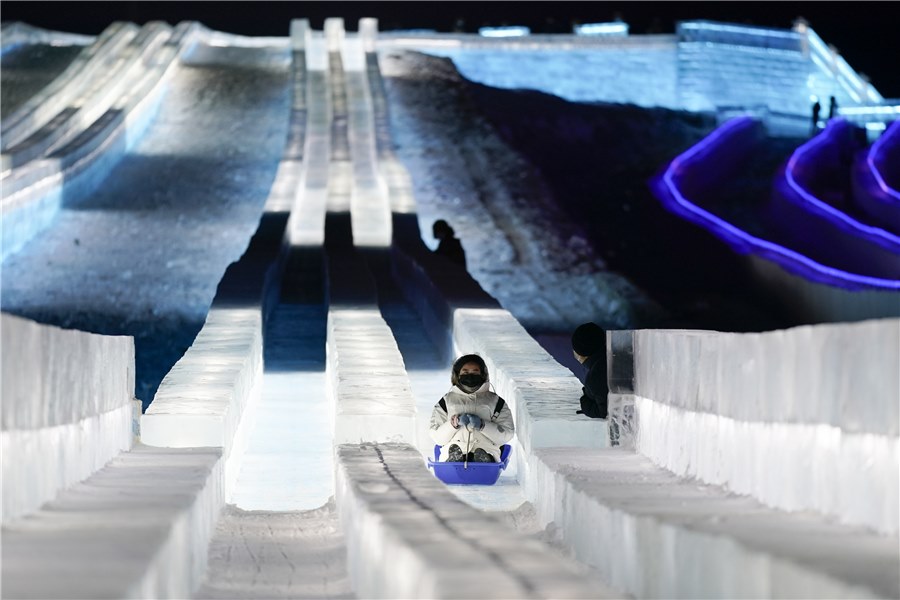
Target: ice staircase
[750, 465]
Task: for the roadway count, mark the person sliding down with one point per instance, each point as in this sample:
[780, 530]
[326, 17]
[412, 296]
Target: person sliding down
[470, 422]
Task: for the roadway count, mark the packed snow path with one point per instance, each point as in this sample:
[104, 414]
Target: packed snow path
[349, 423]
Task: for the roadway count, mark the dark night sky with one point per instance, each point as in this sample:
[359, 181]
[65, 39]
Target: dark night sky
[864, 32]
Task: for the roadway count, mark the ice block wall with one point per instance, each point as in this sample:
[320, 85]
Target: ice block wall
[729, 65]
[802, 419]
[66, 408]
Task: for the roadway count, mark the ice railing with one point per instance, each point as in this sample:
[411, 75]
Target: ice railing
[874, 117]
[801, 419]
[832, 64]
[694, 173]
[714, 32]
[66, 411]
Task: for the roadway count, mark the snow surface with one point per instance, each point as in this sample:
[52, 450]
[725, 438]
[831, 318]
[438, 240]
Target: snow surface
[281, 554]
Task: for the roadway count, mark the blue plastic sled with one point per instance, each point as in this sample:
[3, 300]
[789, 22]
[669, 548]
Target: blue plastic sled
[471, 473]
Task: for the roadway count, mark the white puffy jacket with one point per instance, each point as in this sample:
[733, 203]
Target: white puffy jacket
[482, 402]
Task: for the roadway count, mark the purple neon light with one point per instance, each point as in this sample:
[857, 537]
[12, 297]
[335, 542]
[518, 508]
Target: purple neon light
[739, 239]
[874, 155]
[840, 218]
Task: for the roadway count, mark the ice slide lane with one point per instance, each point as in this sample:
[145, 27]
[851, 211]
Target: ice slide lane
[28, 68]
[279, 536]
[64, 89]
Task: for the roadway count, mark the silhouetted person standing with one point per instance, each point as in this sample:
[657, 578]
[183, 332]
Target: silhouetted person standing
[832, 108]
[449, 247]
[816, 109]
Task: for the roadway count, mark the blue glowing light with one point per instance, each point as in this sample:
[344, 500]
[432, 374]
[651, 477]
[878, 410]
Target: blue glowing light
[806, 154]
[888, 139]
[497, 32]
[887, 110]
[668, 191]
[613, 28]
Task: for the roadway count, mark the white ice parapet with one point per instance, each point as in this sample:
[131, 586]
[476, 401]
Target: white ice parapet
[369, 204]
[372, 396]
[653, 534]
[307, 227]
[66, 408]
[801, 419]
[201, 401]
[139, 528]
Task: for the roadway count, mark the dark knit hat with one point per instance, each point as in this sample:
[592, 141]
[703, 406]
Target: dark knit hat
[463, 361]
[441, 227]
[588, 339]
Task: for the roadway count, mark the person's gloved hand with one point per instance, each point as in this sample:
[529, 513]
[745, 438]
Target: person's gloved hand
[463, 420]
[474, 422]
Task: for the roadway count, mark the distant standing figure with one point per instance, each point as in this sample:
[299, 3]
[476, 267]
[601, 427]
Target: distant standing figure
[449, 246]
[832, 108]
[589, 348]
[816, 109]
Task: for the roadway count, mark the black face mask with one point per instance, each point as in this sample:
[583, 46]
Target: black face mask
[471, 380]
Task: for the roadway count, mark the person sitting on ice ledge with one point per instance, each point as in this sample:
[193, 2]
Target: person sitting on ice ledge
[471, 422]
[589, 348]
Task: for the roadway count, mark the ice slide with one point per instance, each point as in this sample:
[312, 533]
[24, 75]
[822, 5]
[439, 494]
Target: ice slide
[817, 259]
[310, 332]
